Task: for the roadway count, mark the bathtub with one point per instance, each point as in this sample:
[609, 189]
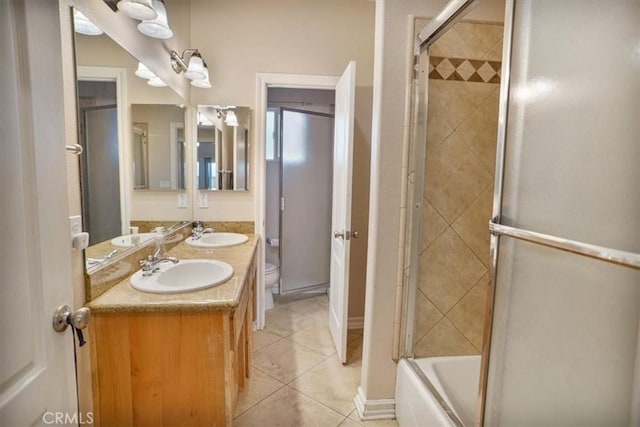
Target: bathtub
[453, 380]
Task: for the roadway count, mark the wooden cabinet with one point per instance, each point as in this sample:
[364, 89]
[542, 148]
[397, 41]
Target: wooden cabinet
[166, 368]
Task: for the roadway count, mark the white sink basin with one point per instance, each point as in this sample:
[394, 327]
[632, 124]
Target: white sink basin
[217, 240]
[128, 240]
[186, 276]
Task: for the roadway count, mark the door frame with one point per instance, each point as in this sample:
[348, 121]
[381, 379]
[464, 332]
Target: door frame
[119, 75]
[264, 81]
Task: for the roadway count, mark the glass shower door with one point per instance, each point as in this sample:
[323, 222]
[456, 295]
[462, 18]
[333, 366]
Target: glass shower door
[564, 333]
[306, 190]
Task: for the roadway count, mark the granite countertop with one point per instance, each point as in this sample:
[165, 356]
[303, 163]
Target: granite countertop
[123, 298]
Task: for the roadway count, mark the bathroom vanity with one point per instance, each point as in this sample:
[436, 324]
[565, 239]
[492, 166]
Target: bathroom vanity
[174, 359]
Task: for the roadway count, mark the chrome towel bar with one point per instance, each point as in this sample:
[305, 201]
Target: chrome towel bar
[627, 259]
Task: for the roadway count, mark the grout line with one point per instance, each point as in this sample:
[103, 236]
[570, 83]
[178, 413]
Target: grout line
[261, 400]
[324, 404]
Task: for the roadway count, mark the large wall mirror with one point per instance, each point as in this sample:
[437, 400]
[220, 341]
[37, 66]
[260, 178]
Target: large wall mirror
[222, 160]
[134, 162]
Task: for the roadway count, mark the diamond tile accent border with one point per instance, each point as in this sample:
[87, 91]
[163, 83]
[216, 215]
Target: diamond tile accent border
[464, 70]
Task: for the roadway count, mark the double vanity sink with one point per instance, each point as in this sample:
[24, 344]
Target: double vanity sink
[217, 240]
[173, 275]
[202, 308]
[186, 275]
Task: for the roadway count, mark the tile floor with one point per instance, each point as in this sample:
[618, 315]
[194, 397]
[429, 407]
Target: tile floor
[296, 379]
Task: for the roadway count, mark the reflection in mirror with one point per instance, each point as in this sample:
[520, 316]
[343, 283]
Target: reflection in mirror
[123, 153]
[164, 163]
[99, 162]
[223, 148]
[140, 157]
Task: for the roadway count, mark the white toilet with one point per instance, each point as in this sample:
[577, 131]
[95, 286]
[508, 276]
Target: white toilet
[271, 277]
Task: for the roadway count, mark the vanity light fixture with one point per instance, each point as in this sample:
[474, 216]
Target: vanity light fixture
[202, 83]
[158, 27]
[143, 72]
[138, 9]
[156, 82]
[227, 114]
[197, 70]
[83, 25]
[231, 119]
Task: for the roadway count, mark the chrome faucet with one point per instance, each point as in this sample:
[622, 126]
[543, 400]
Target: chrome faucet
[199, 229]
[150, 264]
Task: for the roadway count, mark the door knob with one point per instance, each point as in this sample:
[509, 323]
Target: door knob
[338, 235]
[79, 319]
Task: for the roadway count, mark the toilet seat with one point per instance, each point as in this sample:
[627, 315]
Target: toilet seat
[271, 277]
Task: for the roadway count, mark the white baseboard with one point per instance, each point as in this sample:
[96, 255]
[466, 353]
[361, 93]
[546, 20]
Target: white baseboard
[381, 409]
[355, 322]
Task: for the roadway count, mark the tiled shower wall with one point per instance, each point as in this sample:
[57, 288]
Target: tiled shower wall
[462, 126]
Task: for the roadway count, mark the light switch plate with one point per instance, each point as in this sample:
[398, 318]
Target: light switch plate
[75, 225]
[204, 200]
[182, 200]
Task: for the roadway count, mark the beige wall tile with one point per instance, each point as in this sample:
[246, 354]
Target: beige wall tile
[455, 100]
[468, 315]
[427, 315]
[438, 129]
[495, 53]
[473, 225]
[479, 39]
[432, 225]
[449, 260]
[444, 340]
[451, 45]
[480, 130]
[454, 178]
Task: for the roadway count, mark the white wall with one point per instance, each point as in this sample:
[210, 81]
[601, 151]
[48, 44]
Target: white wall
[243, 38]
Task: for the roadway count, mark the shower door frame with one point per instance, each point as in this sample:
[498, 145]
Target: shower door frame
[119, 76]
[452, 13]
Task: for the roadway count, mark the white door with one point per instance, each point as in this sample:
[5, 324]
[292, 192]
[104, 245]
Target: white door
[37, 379]
[341, 208]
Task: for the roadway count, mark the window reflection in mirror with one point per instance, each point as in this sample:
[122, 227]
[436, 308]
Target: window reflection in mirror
[223, 148]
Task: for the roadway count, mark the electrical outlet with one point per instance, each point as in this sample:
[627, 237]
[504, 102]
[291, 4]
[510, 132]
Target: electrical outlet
[75, 225]
[182, 200]
[204, 200]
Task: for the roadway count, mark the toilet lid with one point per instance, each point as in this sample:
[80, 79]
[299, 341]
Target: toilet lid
[269, 268]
